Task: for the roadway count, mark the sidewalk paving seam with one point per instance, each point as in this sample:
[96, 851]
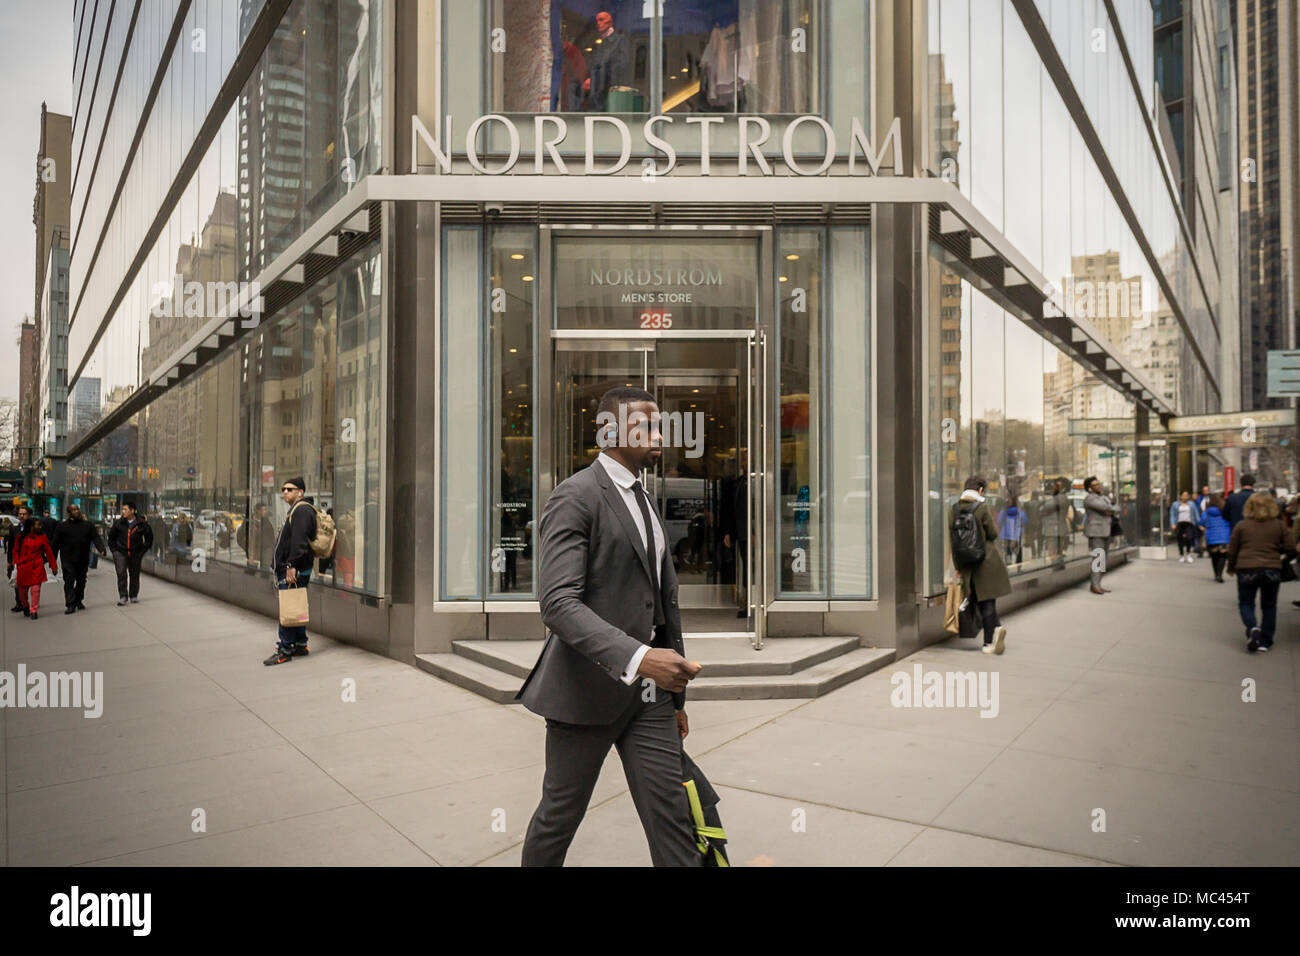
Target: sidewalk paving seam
[254, 826]
[924, 826]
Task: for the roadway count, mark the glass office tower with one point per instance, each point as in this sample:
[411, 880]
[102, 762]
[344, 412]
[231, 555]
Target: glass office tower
[856, 251]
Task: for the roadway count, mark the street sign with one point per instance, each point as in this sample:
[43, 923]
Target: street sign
[112, 470]
[1283, 373]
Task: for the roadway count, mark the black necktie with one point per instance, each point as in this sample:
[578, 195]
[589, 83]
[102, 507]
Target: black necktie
[651, 551]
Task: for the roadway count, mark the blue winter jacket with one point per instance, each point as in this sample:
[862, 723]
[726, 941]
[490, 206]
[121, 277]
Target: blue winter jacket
[1011, 524]
[1217, 529]
[1173, 513]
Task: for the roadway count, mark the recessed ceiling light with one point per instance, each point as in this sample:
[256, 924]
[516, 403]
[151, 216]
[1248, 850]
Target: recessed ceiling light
[516, 255]
[793, 256]
[528, 278]
[782, 279]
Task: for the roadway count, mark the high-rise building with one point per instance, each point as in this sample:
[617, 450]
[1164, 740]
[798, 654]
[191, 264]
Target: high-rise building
[52, 334]
[1268, 85]
[29, 398]
[46, 404]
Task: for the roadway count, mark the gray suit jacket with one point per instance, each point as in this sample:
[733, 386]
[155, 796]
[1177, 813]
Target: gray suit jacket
[1099, 511]
[596, 602]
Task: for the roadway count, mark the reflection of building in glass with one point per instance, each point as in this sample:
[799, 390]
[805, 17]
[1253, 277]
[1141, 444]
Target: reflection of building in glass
[291, 160]
[946, 125]
[172, 440]
[83, 406]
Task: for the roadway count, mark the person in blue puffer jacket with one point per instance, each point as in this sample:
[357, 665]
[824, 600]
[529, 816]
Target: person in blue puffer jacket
[1217, 533]
[1011, 529]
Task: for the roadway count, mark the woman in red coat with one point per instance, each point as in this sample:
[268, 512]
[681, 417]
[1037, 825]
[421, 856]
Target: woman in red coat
[29, 572]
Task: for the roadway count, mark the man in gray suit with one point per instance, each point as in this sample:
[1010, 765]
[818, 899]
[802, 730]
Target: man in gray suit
[1097, 528]
[612, 671]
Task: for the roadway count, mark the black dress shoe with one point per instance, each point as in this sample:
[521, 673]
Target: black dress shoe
[70, 609]
[79, 606]
[18, 607]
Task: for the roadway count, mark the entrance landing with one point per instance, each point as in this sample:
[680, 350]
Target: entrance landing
[786, 667]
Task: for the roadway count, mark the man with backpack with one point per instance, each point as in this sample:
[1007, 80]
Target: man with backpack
[295, 552]
[983, 574]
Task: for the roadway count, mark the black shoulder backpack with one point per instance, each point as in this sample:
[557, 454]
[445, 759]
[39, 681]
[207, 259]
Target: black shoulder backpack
[967, 538]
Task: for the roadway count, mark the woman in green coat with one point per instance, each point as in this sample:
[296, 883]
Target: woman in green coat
[987, 581]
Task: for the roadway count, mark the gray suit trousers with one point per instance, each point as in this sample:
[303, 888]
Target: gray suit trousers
[1095, 545]
[651, 750]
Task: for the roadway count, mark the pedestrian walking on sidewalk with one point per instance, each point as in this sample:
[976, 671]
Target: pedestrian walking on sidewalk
[1202, 502]
[1184, 520]
[34, 553]
[73, 542]
[1098, 510]
[1236, 505]
[1217, 534]
[1255, 551]
[293, 559]
[984, 578]
[612, 672]
[129, 539]
[13, 539]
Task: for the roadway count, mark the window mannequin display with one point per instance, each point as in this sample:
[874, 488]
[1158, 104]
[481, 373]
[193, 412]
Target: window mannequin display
[609, 63]
[574, 76]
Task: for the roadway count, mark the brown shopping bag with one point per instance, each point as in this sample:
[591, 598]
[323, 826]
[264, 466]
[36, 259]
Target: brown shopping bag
[293, 607]
[952, 608]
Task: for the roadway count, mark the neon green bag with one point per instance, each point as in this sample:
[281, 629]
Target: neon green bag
[710, 840]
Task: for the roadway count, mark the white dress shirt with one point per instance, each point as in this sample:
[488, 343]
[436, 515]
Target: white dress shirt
[623, 480]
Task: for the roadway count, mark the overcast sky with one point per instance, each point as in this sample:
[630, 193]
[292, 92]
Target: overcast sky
[36, 65]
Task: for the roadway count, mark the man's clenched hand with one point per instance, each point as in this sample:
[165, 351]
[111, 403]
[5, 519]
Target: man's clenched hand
[668, 669]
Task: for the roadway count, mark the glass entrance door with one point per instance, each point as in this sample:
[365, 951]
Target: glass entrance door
[707, 494]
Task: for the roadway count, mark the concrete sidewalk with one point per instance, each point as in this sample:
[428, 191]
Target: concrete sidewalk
[1128, 704]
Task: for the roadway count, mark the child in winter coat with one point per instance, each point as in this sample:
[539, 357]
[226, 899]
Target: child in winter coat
[1217, 534]
[29, 573]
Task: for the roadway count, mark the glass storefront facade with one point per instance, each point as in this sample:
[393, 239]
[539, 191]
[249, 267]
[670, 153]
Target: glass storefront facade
[302, 394]
[832, 367]
[1035, 423]
[666, 313]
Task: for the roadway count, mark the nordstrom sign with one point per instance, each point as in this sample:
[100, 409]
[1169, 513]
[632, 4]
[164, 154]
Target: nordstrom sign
[753, 132]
